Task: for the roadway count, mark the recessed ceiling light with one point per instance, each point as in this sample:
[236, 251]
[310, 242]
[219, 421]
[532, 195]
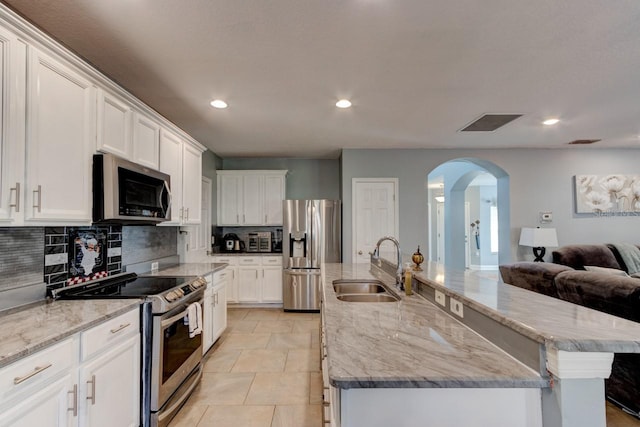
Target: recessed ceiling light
[550, 122]
[218, 103]
[343, 103]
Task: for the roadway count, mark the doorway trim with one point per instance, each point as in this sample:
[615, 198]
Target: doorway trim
[396, 210]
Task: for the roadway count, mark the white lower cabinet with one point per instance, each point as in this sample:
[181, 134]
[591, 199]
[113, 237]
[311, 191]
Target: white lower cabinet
[215, 308]
[110, 387]
[76, 383]
[253, 278]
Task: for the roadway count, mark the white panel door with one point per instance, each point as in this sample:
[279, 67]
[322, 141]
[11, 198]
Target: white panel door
[60, 141]
[191, 184]
[146, 141]
[272, 284]
[375, 214]
[274, 188]
[219, 310]
[249, 284]
[114, 125]
[252, 200]
[171, 164]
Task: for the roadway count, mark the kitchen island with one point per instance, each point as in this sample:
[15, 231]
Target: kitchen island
[509, 360]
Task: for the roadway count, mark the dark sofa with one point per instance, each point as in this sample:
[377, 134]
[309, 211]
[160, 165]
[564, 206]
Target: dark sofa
[608, 290]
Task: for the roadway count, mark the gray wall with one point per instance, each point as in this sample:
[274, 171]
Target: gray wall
[540, 180]
[306, 178]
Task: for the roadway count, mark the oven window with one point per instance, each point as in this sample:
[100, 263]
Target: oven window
[178, 347]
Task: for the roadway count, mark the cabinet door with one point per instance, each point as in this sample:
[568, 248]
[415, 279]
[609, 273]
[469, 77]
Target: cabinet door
[219, 310]
[191, 184]
[114, 125]
[12, 104]
[60, 141]
[110, 387]
[272, 284]
[273, 197]
[232, 284]
[229, 199]
[252, 200]
[50, 406]
[146, 141]
[171, 164]
[249, 284]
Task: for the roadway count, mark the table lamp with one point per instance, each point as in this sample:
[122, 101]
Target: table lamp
[538, 238]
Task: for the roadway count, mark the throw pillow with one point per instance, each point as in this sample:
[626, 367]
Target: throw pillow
[612, 271]
[636, 275]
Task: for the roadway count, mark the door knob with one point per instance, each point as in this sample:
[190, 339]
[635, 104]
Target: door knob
[359, 252]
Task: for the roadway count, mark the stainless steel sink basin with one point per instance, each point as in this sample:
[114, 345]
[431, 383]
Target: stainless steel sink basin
[365, 287]
[367, 298]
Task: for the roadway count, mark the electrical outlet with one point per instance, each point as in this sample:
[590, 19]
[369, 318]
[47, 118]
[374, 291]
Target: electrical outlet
[456, 307]
[441, 299]
[154, 266]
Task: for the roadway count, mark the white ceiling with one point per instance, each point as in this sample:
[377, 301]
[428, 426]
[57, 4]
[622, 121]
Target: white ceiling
[416, 71]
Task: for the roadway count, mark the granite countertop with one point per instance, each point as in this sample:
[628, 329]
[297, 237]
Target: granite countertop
[409, 344]
[189, 269]
[556, 323]
[27, 331]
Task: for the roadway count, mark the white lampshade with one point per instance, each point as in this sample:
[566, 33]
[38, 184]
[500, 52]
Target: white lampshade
[539, 237]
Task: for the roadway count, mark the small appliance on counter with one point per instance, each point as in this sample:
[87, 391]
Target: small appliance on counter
[232, 243]
[259, 242]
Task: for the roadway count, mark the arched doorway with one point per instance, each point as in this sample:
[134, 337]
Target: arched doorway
[462, 192]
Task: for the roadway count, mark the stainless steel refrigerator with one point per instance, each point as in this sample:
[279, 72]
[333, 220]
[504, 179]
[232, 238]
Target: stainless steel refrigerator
[312, 233]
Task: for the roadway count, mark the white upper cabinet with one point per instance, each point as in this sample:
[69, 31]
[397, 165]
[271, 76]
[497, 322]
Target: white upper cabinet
[12, 105]
[191, 184]
[146, 141]
[114, 125]
[183, 162]
[250, 197]
[60, 141]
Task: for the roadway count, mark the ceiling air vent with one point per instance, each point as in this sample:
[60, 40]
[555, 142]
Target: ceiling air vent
[490, 122]
[584, 141]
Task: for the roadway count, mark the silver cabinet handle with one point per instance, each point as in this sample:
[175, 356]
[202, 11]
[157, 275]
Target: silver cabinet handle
[17, 203]
[244, 219]
[265, 219]
[181, 213]
[36, 371]
[187, 213]
[92, 398]
[74, 392]
[237, 218]
[119, 328]
[39, 198]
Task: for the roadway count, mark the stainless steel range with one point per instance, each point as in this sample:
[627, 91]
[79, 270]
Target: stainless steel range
[171, 359]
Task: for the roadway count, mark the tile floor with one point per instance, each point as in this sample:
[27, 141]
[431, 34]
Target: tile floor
[265, 372]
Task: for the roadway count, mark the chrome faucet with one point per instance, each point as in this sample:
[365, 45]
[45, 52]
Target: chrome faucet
[376, 255]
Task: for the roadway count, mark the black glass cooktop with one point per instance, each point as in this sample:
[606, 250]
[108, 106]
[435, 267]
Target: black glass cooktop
[130, 286]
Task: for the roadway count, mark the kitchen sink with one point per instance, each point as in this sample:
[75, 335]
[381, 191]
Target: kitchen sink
[367, 298]
[360, 287]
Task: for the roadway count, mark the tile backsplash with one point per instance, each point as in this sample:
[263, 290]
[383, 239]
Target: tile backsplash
[21, 252]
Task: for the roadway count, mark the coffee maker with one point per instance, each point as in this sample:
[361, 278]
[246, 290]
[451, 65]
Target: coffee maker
[232, 243]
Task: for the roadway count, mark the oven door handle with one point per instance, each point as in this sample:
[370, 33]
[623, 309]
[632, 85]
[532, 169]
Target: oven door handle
[171, 320]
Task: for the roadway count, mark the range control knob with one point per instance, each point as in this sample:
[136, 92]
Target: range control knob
[199, 282]
[171, 296]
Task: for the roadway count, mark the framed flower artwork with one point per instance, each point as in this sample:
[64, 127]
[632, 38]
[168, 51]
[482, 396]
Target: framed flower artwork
[607, 193]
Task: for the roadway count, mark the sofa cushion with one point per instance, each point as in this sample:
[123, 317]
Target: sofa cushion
[577, 256]
[612, 271]
[616, 295]
[533, 276]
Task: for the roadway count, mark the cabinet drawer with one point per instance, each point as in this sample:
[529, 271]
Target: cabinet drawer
[272, 260]
[109, 332]
[37, 368]
[231, 260]
[249, 260]
[219, 276]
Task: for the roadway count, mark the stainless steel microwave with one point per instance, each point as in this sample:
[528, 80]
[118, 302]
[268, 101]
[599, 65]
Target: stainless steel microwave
[128, 193]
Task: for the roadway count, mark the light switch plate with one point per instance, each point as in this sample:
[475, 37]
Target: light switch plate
[154, 266]
[456, 307]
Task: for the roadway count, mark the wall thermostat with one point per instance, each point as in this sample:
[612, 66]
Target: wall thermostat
[546, 217]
